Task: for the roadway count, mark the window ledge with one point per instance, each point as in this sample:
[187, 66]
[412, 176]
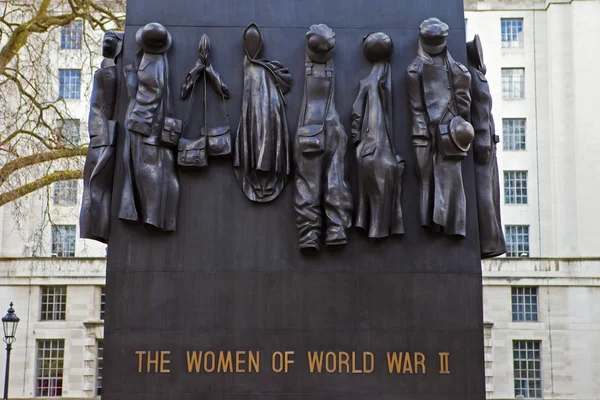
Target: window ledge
[92, 324]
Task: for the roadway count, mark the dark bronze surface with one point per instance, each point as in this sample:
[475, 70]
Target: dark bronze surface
[231, 278]
[94, 218]
[261, 150]
[438, 90]
[151, 185]
[487, 185]
[320, 181]
[379, 167]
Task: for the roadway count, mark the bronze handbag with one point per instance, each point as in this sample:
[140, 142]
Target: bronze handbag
[216, 141]
[172, 127]
[191, 153]
[171, 131]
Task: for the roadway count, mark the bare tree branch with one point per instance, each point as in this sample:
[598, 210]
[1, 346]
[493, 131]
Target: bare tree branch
[38, 184]
[39, 158]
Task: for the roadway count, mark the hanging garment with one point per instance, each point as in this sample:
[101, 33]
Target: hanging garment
[261, 156]
[320, 181]
[379, 167]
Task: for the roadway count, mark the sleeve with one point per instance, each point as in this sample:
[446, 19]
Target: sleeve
[480, 119]
[151, 85]
[358, 109]
[420, 133]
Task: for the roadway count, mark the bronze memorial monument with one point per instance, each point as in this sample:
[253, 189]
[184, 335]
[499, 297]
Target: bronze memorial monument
[361, 279]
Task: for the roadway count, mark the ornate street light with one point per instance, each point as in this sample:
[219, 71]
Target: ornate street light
[9, 323]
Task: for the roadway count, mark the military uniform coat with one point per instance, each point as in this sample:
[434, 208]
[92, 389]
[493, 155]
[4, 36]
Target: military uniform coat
[437, 93]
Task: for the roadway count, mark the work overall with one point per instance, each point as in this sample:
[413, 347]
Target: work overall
[320, 182]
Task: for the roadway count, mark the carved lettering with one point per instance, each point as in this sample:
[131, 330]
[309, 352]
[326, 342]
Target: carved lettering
[150, 361]
[140, 355]
[164, 361]
[341, 362]
[444, 363]
[406, 363]
[225, 364]
[225, 361]
[420, 362]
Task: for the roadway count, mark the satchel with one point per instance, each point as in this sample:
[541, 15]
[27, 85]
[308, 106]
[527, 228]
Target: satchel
[219, 140]
[191, 153]
[171, 132]
[311, 139]
[214, 141]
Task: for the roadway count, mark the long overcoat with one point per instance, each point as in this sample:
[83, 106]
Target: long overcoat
[380, 169]
[487, 185]
[151, 184]
[436, 94]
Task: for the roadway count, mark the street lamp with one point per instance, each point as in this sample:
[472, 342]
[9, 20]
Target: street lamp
[9, 323]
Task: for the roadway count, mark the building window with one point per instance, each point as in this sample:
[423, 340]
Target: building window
[102, 302]
[513, 134]
[524, 304]
[68, 131]
[63, 240]
[517, 240]
[527, 365]
[99, 361]
[54, 303]
[50, 363]
[515, 187]
[512, 33]
[66, 192]
[70, 84]
[513, 83]
[71, 35]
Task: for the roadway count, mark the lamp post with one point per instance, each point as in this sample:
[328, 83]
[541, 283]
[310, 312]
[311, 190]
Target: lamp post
[9, 323]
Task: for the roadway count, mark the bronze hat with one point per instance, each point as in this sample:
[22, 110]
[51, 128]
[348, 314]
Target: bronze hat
[320, 43]
[462, 133]
[433, 34]
[377, 46]
[475, 54]
[154, 38]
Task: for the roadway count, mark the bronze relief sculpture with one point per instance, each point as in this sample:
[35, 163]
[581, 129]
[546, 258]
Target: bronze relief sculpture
[94, 218]
[379, 167]
[215, 141]
[261, 156]
[320, 184]
[487, 185]
[151, 184]
[440, 103]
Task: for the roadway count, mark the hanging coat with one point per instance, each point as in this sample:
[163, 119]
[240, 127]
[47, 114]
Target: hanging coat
[436, 94]
[261, 156]
[151, 184]
[379, 167]
[487, 185]
[94, 218]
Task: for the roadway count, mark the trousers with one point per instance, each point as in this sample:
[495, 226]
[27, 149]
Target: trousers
[320, 185]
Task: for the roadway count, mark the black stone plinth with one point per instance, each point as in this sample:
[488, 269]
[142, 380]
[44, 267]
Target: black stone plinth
[231, 277]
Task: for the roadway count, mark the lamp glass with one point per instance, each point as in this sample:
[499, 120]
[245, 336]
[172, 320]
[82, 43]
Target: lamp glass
[10, 327]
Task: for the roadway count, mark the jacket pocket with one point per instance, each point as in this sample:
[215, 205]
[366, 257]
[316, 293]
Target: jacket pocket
[311, 139]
